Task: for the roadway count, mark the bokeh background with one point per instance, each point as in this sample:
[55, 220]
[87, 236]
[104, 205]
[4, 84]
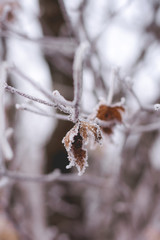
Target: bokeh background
[121, 199]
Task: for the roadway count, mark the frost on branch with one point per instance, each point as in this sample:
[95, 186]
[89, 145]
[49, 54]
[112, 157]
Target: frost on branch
[75, 143]
[111, 114]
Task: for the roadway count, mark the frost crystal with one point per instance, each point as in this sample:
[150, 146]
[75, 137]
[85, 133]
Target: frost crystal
[75, 143]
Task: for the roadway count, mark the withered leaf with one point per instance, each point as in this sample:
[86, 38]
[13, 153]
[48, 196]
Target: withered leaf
[108, 113]
[75, 143]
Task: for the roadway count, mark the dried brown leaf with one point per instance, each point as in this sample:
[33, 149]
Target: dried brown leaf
[108, 113]
[75, 143]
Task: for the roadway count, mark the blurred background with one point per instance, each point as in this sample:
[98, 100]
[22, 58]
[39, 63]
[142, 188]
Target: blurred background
[121, 199]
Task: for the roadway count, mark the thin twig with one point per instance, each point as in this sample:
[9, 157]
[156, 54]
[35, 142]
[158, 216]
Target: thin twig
[18, 92]
[43, 113]
[32, 82]
[77, 77]
[64, 105]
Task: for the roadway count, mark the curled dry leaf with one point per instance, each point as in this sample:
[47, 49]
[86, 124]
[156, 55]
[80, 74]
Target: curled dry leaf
[111, 114]
[75, 143]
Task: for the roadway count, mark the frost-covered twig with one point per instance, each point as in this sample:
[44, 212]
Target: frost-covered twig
[64, 105]
[42, 112]
[18, 92]
[77, 77]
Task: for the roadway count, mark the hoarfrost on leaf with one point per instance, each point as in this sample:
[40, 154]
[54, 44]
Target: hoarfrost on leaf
[76, 141]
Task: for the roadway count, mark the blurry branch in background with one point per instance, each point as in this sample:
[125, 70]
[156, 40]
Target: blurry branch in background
[94, 53]
[128, 84]
[52, 177]
[51, 45]
[120, 191]
[146, 128]
[6, 151]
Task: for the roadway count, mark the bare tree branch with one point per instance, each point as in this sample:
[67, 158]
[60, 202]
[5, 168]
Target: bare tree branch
[65, 46]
